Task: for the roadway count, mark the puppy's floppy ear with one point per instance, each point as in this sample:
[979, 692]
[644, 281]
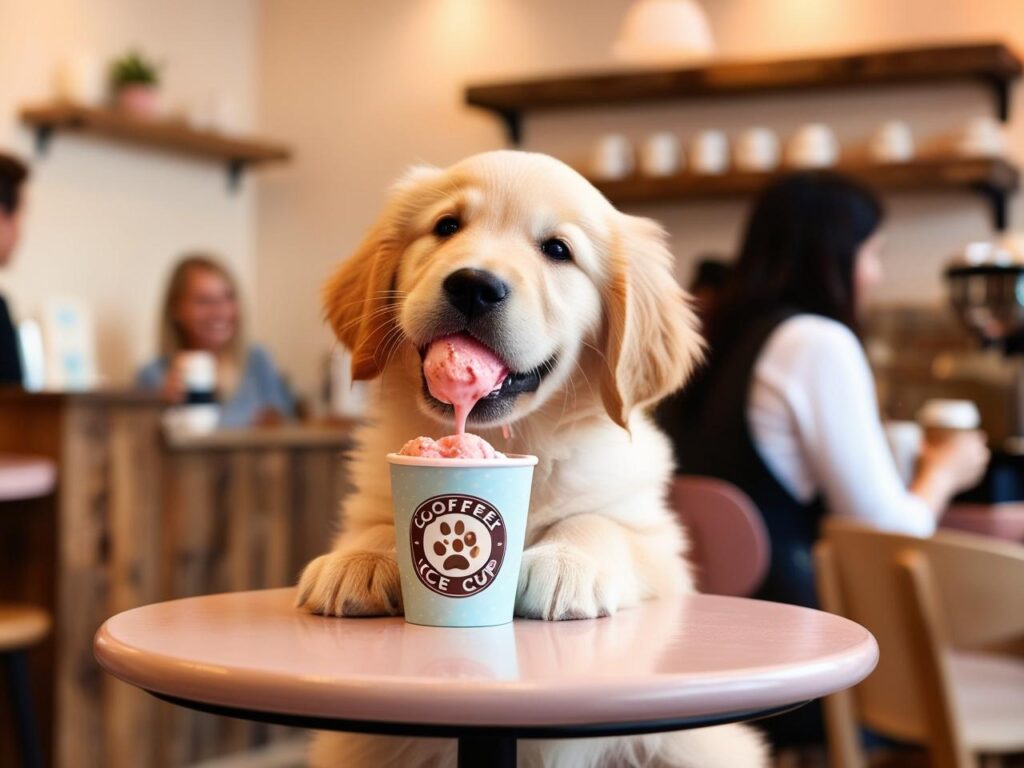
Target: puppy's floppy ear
[359, 298]
[652, 343]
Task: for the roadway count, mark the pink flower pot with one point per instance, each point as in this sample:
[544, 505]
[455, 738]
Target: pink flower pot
[138, 100]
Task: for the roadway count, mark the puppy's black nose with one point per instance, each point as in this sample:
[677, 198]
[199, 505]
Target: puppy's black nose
[475, 291]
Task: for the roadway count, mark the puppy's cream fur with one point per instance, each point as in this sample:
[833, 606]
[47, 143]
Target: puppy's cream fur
[600, 536]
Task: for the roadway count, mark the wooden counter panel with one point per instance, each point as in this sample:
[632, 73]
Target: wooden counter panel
[136, 521]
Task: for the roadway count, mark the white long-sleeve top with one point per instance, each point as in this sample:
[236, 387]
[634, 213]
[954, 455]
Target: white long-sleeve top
[813, 417]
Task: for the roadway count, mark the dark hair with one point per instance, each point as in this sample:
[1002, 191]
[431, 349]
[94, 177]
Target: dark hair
[711, 272]
[798, 252]
[12, 173]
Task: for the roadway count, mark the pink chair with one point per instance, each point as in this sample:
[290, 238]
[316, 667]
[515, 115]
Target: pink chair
[729, 543]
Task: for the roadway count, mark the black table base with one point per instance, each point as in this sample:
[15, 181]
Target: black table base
[481, 746]
[487, 752]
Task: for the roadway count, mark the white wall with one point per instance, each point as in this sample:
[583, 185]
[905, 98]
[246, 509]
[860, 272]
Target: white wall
[105, 221]
[365, 89]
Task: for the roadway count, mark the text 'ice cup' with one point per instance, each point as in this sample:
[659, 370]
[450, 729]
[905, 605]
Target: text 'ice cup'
[460, 525]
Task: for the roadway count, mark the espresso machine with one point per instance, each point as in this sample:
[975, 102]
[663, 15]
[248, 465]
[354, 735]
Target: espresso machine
[986, 291]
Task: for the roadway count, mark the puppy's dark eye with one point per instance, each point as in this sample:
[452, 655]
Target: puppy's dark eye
[447, 226]
[556, 250]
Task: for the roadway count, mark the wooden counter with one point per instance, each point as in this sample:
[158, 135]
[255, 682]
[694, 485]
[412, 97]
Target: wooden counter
[138, 519]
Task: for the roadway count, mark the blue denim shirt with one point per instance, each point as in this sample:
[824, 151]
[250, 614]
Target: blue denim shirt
[259, 388]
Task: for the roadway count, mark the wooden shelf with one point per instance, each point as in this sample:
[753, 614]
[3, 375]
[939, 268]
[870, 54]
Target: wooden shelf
[993, 179]
[236, 153]
[993, 64]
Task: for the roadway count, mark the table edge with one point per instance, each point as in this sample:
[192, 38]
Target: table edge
[355, 700]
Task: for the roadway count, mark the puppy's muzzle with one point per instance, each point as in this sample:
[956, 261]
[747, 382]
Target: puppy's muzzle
[475, 292]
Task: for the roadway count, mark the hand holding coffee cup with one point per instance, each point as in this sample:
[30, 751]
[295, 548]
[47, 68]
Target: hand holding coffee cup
[954, 446]
[943, 419]
[191, 386]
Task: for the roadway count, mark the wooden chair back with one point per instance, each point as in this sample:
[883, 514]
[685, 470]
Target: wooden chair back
[920, 598]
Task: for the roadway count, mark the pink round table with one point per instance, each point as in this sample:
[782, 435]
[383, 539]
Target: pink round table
[25, 477]
[666, 665]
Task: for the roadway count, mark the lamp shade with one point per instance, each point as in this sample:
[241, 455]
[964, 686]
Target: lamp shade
[664, 31]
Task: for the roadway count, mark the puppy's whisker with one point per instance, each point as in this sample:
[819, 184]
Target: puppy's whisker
[363, 318]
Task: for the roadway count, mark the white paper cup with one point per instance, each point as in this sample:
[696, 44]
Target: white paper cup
[460, 525]
[943, 418]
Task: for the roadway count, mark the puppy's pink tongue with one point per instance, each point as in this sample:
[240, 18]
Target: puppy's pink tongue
[460, 370]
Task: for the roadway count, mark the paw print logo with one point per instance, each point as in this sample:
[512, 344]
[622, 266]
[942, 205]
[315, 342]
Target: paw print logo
[457, 545]
[462, 540]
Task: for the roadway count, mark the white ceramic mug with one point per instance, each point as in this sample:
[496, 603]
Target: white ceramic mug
[709, 153]
[893, 142]
[198, 371]
[757, 150]
[814, 145]
[982, 137]
[613, 158]
[660, 154]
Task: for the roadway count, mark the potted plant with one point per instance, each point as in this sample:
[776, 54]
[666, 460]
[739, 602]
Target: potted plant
[134, 82]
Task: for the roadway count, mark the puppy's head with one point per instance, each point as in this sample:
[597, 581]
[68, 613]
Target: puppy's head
[523, 254]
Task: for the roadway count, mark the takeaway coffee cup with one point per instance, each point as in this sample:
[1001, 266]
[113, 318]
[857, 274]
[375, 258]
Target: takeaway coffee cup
[459, 531]
[943, 418]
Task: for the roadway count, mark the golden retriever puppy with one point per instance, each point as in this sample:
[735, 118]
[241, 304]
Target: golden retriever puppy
[579, 302]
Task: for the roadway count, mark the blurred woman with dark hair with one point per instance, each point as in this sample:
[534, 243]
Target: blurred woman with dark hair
[786, 408]
[201, 313]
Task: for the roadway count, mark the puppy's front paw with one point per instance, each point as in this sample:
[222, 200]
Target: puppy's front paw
[351, 584]
[559, 581]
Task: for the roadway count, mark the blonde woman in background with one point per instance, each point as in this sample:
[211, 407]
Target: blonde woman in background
[201, 313]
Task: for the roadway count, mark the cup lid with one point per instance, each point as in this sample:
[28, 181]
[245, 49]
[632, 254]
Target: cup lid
[949, 414]
[510, 460]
